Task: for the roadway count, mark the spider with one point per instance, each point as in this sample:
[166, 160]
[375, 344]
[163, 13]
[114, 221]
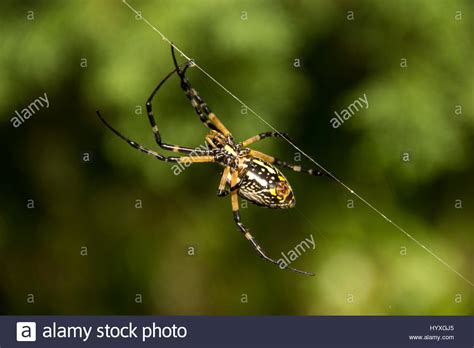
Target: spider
[247, 173]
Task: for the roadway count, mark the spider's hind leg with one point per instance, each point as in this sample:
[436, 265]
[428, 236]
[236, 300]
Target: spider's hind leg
[246, 233]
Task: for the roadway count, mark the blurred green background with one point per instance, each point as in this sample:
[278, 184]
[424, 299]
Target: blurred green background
[346, 48]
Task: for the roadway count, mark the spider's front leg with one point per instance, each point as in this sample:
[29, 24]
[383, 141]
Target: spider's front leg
[205, 114]
[184, 159]
[246, 233]
[154, 127]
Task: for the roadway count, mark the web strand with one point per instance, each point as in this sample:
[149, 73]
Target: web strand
[368, 204]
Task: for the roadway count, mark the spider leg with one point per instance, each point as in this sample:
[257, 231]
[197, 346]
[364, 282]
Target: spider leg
[262, 136]
[184, 159]
[294, 167]
[246, 233]
[154, 127]
[221, 191]
[196, 159]
[207, 117]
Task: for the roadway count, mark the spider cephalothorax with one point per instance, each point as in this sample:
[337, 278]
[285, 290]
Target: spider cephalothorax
[247, 173]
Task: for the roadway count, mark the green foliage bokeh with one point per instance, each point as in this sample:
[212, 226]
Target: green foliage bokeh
[364, 265]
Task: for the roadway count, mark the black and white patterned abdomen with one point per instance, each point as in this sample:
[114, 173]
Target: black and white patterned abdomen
[264, 185]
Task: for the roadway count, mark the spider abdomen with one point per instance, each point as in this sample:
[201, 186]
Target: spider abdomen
[264, 185]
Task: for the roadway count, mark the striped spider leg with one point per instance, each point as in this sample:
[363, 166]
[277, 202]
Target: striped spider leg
[294, 167]
[207, 117]
[178, 159]
[245, 231]
[169, 147]
[276, 161]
